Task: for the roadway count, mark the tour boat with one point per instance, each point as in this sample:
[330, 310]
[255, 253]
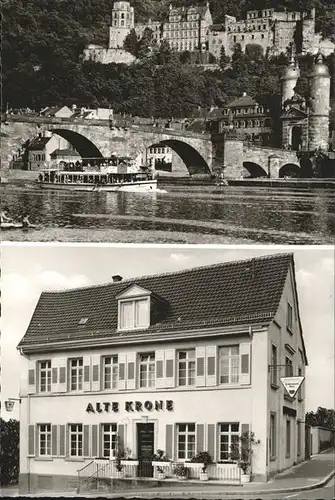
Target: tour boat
[96, 181]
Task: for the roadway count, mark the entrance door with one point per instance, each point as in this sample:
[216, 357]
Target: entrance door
[145, 449]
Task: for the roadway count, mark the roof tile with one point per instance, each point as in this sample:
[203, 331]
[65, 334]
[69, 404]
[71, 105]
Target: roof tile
[220, 294]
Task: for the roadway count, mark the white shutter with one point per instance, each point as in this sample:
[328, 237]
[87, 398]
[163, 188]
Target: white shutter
[86, 373]
[211, 365]
[32, 377]
[62, 374]
[122, 360]
[54, 375]
[131, 371]
[160, 369]
[96, 369]
[245, 363]
[170, 355]
[200, 374]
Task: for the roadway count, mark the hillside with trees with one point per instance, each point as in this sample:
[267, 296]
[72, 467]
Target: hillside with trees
[42, 42]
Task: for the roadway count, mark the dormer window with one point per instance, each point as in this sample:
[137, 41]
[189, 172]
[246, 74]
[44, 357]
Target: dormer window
[134, 309]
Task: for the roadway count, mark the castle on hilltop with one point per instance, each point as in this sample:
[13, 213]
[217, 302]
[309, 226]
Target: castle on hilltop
[192, 29]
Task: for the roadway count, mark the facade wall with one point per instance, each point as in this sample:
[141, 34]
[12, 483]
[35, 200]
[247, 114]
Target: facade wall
[38, 159]
[282, 337]
[206, 404]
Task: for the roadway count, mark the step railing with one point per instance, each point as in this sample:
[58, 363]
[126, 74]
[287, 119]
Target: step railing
[226, 473]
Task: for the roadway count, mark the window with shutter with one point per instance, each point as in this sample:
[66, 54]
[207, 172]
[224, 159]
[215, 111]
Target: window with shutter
[76, 374]
[110, 372]
[229, 361]
[185, 441]
[75, 440]
[44, 376]
[44, 440]
[147, 370]
[228, 441]
[186, 367]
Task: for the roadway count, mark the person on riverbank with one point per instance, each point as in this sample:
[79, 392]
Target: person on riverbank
[4, 215]
[25, 221]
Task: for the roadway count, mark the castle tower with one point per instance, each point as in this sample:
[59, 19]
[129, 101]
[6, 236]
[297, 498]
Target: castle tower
[122, 23]
[289, 80]
[319, 85]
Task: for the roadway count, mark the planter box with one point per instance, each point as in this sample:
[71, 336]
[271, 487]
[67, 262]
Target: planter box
[193, 465]
[160, 475]
[203, 476]
[245, 478]
[129, 462]
[160, 464]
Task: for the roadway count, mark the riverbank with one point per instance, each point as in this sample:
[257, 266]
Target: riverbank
[285, 183]
[257, 182]
[82, 235]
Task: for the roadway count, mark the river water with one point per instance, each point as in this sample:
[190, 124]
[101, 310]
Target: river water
[175, 214]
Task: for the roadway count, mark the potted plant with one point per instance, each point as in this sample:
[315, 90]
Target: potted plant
[203, 459]
[121, 454]
[160, 472]
[180, 471]
[242, 452]
[159, 460]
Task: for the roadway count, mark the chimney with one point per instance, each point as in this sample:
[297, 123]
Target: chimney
[116, 278]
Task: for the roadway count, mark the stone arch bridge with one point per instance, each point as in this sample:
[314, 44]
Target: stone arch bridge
[201, 153]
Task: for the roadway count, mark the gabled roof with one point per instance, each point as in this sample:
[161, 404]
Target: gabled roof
[50, 111]
[294, 112]
[38, 144]
[245, 100]
[239, 292]
[64, 152]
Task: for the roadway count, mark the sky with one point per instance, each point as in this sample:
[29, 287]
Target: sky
[29, 269]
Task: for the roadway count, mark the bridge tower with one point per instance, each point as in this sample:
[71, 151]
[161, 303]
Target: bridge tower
[318, 126]
[289, 80]
[122, 23]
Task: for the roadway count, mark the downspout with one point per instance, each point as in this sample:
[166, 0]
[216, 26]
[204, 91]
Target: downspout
[28, 423]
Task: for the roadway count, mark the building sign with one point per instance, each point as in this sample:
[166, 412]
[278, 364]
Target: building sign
[292, 384]
[130, 406]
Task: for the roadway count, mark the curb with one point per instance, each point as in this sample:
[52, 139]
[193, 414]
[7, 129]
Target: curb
[219, 494]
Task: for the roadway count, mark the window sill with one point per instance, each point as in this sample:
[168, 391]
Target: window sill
[44, 459]
[289, 329]
[274, 386]
[273, 459]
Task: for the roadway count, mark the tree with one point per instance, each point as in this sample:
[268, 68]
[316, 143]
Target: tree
[145, 44]
[323, 417]
[224, 59]
[131, 43]
[9, 451]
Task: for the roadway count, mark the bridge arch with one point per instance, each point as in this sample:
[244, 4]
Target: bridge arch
[290, 170]
[194, 161]
[85, 147]
[254, 169]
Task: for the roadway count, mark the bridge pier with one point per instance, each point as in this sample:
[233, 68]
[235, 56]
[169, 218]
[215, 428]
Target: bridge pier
[274, 164]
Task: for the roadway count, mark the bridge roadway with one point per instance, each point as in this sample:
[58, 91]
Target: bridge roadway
[201, 152]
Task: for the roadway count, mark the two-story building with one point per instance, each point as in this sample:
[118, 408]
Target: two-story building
[183, 361]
